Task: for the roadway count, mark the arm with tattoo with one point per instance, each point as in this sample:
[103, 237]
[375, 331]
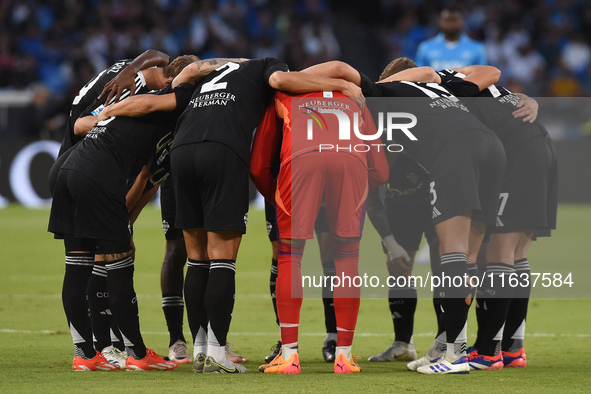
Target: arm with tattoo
[199, 69]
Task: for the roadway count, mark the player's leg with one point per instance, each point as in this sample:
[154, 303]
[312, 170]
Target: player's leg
[173, 306]
[104, 327]
[463, 183]
[195, 284]
[199, 172]
[454, 299]
[345, 199]
[123, 303]
[79, 263]
[222, 249]
[119, 263]
[536, 210]
[172, 276]
[479, 270]
[346, 300]
[453, 235]
[514, 332]
[216, 201]
[439, 345]
[328, 270]
[98, 305]
[272, 232]
[406, 222]
[68, 204]
[110, 226]
[289, 302]
[303, 179]
[402, 302]
[494, 297]
[189, 216]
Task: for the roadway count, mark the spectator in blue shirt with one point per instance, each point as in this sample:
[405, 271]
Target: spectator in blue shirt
[451, 48]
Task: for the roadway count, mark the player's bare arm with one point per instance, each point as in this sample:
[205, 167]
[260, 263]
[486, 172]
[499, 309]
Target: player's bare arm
[139, 105]
[527, 108]
[126, 78]
[199, 69]
[84, 124]
[137, 188]
[144, 104]
[417, 74]
[303, 82]
[377, 215]
[300, 82]
[141, 202]
[482, 76]
[335, 69]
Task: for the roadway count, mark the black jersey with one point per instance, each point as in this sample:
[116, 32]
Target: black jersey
[438, 112]
[88, 96]
[494, 106]
[408, 183]
[227, 104]
[117, 148]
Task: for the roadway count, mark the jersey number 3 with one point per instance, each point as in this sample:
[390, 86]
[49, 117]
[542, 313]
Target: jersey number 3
[214, 84]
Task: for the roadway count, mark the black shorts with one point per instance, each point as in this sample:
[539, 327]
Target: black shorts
[211, 187]
[408, 222]
[271, 219]
[168, 210]
[83, 208]
[529, 193]
[466, 175]
[55, 168]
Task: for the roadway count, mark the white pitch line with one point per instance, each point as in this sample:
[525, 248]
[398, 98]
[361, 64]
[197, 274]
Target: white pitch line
[310, 334]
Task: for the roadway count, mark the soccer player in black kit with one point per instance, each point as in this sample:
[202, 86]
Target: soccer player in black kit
[90, 213]
[210, 156]
[466, 162]
[149, 71]
[93, 89]
[528, 202]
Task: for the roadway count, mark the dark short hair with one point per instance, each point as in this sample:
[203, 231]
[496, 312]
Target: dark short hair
[454, 8]
[177, 65]
[397, 65]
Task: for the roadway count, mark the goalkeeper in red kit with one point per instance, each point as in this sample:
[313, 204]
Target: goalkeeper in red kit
[326, 155]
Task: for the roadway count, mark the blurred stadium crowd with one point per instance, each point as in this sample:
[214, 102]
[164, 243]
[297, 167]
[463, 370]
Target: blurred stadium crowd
[53, 47]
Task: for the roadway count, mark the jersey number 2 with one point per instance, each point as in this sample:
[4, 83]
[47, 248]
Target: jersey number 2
[214, 84]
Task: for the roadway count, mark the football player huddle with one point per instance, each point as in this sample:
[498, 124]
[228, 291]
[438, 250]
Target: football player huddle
[473, 170]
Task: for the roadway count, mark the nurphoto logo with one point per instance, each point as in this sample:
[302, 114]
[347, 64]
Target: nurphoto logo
[402, 121]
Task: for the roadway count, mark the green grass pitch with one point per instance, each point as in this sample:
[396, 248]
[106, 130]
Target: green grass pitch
[36, 347]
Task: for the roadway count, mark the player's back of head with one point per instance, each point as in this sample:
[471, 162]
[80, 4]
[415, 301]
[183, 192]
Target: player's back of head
[397, 65]
[177, 65]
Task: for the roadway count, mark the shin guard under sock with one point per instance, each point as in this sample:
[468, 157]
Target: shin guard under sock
[346, 296]
[123, 304]
[74, 292]
[289, 291]
[195, 284]
[219, 299]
